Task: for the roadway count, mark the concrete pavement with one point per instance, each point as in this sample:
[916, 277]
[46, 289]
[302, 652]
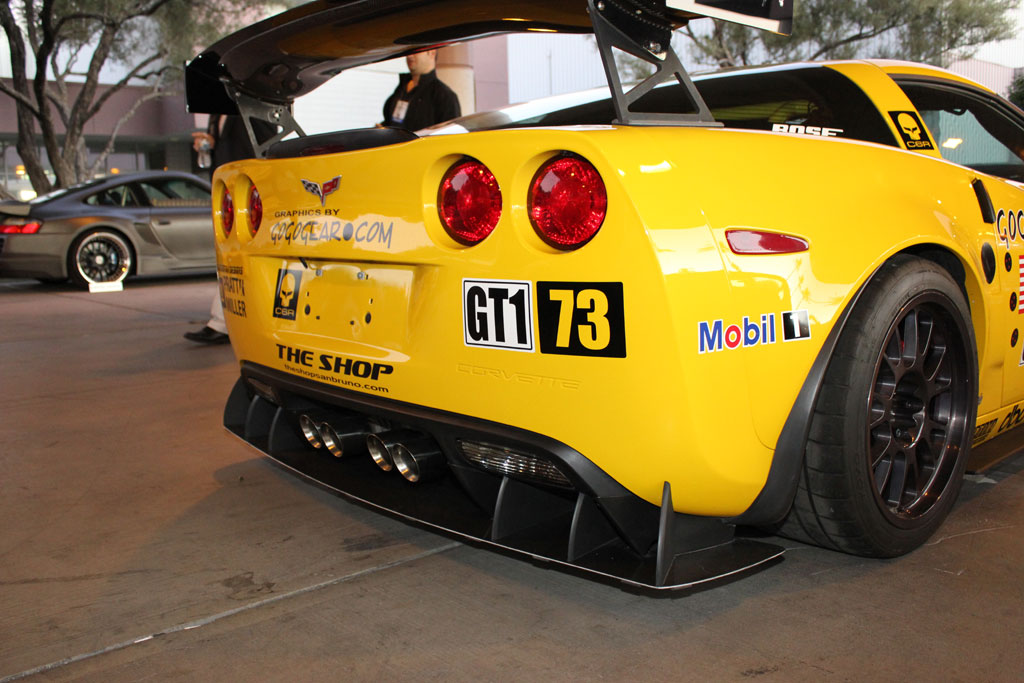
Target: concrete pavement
[138, 540]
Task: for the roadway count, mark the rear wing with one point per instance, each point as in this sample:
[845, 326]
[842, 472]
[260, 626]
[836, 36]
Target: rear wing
[770, 15]
[260, 70]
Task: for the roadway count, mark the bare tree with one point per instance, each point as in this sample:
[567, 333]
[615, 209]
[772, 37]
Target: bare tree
[59, 49]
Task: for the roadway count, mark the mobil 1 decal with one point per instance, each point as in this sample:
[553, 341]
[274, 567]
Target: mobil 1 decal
[498, 314]
[757, 330]
[581, 319]
[286, 295]
[911, 131]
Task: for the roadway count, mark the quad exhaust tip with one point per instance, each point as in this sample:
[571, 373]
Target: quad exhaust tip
[415, 455]
[418, 460]
[382, 446]
[311, 430]
[340, 437]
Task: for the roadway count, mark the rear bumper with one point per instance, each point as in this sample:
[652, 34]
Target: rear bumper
[591, 524]
[39, 256]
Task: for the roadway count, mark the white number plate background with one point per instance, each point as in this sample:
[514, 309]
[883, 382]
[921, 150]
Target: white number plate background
[498, 314]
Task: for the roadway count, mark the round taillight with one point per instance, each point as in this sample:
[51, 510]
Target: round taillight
[469, 202]
[567, 202]
[227, 212]
[255, 210]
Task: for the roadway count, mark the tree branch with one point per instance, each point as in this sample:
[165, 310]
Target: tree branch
[157, 92]
[131, 75]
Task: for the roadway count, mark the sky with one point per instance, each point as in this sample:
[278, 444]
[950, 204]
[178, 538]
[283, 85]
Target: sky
[1007, 52]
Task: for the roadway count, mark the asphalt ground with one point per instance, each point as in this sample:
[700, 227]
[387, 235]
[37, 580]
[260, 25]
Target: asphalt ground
[140, 541]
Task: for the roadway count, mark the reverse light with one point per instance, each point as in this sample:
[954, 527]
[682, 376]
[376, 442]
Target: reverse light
[567, 202]
[227, 212]
[760, 242]
[469, 202]
[255, 210]
[20, 229]
[506, 461]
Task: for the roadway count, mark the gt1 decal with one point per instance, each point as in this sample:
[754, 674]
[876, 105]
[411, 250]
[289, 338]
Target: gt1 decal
[1009, 226]
[817, 131]
[498, 314]
[286, 296]
[581, 319]
[715, 336]
[911, 131]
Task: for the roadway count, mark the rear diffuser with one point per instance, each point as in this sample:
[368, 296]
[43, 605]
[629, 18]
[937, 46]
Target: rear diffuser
[569, 530]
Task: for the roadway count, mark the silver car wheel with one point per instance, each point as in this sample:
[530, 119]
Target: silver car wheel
[101, 256]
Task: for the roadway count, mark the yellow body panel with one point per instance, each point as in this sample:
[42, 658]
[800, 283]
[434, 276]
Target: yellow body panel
[377, 285]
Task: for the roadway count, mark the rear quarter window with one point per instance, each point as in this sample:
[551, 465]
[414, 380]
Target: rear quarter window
[809, 100]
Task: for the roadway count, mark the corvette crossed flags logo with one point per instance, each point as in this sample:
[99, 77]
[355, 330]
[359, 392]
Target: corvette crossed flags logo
[322, 190]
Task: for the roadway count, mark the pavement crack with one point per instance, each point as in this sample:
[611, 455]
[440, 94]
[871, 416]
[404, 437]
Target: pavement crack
[968, 533]
[206, 621]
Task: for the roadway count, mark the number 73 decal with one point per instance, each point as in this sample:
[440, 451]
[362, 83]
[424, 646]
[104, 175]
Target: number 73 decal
[573, 318]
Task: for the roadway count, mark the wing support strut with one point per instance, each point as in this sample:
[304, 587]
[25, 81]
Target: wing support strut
[277, 115]
[636, 27]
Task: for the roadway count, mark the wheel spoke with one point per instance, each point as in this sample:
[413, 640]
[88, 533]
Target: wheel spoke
[893, 492]
[882, 471]
[910, 339]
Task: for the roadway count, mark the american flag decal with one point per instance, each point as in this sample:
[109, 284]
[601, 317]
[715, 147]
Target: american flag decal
[1020, 292]
[322, 190]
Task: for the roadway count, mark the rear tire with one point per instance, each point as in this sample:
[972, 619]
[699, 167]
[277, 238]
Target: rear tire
[99, 256]
[891, 430]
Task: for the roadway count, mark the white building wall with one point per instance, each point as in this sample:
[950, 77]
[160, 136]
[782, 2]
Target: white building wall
[995, 76]
[352, 99]
[540, 65]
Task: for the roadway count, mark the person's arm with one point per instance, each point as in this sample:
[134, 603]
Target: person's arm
[449, 107]
[389, 106]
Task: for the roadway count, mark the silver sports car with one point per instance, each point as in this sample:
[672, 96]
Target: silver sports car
[104, 230]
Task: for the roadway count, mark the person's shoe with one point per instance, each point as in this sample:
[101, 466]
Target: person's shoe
[207, 335]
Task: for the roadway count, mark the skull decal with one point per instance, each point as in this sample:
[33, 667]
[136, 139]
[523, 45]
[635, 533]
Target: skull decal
[286, 298]
[287, 290]
[909, 126]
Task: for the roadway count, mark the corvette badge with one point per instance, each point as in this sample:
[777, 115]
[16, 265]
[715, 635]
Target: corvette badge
[322, 190]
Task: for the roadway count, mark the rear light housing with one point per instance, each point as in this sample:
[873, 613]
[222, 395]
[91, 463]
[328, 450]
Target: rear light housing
[513, 463]
[762, 242]
[20, 229]
[227, 212]
[469, 202]
[567, 202]
[255, 210]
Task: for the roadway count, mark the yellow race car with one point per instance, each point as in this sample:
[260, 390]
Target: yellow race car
[608, 334]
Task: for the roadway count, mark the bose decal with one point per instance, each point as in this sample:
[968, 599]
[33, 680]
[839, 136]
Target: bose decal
[817, 131]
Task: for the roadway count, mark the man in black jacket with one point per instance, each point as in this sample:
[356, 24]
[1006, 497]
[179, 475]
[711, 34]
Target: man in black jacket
[421, 99]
